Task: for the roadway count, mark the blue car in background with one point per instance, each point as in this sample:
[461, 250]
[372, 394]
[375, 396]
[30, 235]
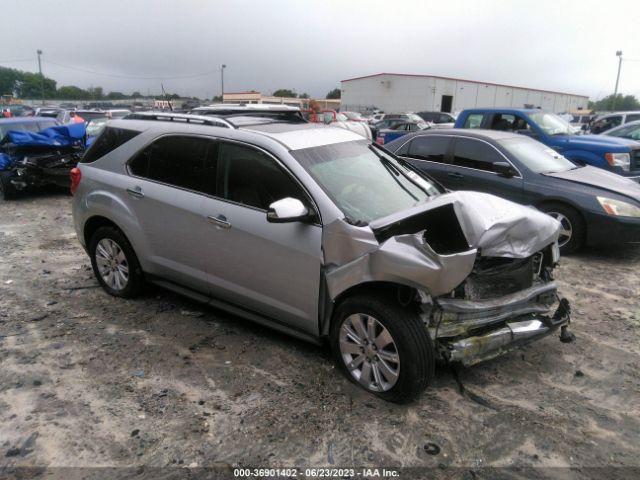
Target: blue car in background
[617, 155]
[399, 129]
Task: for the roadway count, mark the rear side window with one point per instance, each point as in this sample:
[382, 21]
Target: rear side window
[475, 154]
[110, 139]
[181, 161]
[474, 120]
[430, 148]
[632, 117]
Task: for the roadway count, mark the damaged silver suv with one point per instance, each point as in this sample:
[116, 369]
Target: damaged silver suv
[321, 234]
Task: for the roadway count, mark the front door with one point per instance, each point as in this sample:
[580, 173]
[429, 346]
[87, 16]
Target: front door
[270, 268]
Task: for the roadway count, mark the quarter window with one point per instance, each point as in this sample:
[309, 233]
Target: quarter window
[250, 177]
[430, 148]
[181, 161]
[474, 154]
[110, 139]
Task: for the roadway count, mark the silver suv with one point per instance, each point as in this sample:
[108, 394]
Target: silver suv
[321, 234]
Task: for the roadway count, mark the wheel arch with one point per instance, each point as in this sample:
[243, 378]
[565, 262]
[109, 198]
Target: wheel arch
[403, 294]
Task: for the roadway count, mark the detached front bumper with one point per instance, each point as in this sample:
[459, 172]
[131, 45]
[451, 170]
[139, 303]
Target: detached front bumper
[470, 332]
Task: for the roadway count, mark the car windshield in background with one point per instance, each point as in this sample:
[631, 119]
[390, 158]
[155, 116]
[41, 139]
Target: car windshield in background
[552, 124]
[363, 181]
[96, 125]
[536, 156]
[90, 115]
[631, 131]
[352, 115]
[414, 118]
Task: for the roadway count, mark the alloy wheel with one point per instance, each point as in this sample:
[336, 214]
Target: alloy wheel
[369, 352]
[112, 264]
[566, 231]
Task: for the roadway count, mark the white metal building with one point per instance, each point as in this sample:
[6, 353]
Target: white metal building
[393, 92]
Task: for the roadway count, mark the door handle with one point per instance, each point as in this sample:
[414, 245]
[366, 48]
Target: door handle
[455, 174]
[135, 192]
[219, 221]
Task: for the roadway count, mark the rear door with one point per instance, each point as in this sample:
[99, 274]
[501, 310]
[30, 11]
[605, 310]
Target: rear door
[472, 169]
[166, 194]
[429, 153]
[269, 268]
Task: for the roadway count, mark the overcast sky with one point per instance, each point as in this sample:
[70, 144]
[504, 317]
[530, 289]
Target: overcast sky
[310, 45]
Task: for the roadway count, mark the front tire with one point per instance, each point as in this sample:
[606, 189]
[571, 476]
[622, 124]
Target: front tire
[382, 347]
[573, 230]
[7, 190]
[114, 263]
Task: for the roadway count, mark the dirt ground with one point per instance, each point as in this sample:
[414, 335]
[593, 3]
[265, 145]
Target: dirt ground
[88, 380]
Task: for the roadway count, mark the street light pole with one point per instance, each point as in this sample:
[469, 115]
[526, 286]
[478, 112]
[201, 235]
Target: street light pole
[615, 92]
[41, 76]
[222, 83]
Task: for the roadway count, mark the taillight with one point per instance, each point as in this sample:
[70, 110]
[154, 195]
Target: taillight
[76, 175]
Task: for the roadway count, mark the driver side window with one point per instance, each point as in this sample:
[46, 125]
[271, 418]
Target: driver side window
[252, 178]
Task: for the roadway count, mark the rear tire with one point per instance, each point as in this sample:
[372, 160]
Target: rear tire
[382, 347]
[573, 230]
[114, 263]
[7, 190]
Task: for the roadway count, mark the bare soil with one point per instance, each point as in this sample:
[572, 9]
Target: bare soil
[88, 380]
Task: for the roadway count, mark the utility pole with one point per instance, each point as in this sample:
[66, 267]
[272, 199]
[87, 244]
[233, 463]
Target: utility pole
[615, 92]
[41, 76]
[222, 82]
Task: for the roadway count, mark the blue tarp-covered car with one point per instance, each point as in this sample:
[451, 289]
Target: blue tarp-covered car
[32, 159]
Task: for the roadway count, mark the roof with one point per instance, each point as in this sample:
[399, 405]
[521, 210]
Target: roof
[495, 135]
[463, 80]
[293, 136]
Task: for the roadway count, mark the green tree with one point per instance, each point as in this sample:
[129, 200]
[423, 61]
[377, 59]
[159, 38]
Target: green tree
[334, 94]
[285, 92]
[618, 103]
[116, 96]
[96, 93]
[304, 95]
[71, 92]
[33, 84]
[136, 94]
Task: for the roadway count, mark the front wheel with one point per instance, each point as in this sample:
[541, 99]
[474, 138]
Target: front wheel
[382, 347]
[114, 263]
[573, 229]
[7, 190]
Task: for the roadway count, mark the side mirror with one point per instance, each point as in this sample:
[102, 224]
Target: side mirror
[504, 169]
[287, 210]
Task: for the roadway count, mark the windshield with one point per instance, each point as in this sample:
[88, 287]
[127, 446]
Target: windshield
[552, 124]
[364, 182]
[412, 117]
[96, 125]
[535, 156]
[627, 131]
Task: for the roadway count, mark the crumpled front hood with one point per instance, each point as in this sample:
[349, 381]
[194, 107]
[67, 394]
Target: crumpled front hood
[497, 227]
[433, 246]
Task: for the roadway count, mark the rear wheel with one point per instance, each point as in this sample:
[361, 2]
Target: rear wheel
[7, 190]
[573, 229]
[114, 263]
[382, 347]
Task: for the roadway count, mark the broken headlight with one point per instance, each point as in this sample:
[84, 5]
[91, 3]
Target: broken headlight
[618, 208]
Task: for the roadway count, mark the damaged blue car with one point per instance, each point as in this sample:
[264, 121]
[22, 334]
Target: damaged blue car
[31, 160]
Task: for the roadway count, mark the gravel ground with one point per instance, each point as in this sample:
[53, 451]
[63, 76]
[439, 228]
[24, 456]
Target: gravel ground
[88, 380]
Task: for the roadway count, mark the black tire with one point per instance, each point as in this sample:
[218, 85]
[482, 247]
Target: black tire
[571, 219]
[7, 190]
[409, 334]
[135, 280]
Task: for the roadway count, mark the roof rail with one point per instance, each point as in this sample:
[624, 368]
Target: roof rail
[180, 117]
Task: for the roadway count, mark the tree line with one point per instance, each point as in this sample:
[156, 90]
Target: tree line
[33, 85]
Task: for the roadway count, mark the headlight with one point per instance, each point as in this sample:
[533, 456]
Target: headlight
[618, 208]
[622, 160]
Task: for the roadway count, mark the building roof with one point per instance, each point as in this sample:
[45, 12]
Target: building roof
[463, 80]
